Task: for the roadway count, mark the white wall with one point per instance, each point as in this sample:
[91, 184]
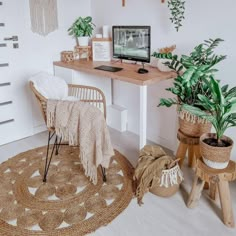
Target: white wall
[204, 19]
[40, 52]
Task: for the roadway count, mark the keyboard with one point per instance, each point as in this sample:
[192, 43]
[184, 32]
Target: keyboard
[108, 68]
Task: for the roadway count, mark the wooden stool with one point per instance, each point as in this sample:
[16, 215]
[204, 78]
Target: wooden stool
[190, 145]
[217, 179]
[80, 50]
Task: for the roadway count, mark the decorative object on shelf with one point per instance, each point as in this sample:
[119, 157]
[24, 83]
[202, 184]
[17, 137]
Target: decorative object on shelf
[83, 50]
[193, 73]
[82, 29]
[220, 111]
[43, 15]
[177, 8]
[161, 61]
[123, 3]
[217, 179]
[67, 56]
[105, 31]
[102, 49]
[156, 172]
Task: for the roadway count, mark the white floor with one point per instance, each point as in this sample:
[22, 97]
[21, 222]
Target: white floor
[158, 216]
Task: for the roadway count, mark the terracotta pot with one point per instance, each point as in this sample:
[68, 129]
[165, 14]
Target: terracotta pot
[215, 157]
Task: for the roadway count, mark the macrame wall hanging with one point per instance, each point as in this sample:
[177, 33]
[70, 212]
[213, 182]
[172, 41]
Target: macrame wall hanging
[43, 14]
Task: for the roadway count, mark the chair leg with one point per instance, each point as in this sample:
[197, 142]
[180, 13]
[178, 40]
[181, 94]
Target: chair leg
[48, 159]
[104, 174]
[58, 145]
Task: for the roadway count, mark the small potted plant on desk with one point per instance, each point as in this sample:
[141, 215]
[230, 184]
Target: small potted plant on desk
[192, 72]
[82, 29]
[221, 113]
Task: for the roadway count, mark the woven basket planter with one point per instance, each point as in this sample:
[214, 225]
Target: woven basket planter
[192, 125]
[170, 181]
[215, 157]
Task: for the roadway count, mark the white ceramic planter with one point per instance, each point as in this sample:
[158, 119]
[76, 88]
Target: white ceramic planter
[83, 41]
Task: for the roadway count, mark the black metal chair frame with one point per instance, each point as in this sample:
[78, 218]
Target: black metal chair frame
[56, 146]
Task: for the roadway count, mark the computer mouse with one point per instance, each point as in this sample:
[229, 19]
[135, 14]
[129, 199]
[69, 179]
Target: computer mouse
[142, 71]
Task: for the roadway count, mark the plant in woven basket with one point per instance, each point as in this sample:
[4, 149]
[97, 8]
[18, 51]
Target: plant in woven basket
[82, 28]
[193, 72]
[177, 8]
[221, 113]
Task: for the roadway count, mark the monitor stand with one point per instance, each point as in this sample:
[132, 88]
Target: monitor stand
[142, 70]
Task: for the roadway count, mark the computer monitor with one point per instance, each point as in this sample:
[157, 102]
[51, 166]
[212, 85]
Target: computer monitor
[132, 42]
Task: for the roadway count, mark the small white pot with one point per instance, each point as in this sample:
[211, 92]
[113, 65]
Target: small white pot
[83, 41]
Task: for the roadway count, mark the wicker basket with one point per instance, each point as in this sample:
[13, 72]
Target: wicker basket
[67, 56]
[170, 188]
[215, 157]
[192, 125]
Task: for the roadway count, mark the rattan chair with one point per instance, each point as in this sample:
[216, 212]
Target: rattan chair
[88, 94]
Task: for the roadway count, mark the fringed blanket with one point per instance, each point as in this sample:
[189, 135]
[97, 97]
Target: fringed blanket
[150, 170]
[82, 125]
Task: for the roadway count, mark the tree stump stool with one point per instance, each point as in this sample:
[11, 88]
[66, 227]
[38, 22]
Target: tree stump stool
[80, 50]
[218, 179]
[188, 145]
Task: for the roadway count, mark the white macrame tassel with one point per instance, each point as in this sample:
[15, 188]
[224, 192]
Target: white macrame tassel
[43, 14]
[170, 177]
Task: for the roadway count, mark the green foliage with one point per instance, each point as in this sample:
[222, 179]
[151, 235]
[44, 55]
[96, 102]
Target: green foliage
[221, 107]
[193, 73]
[177, 8]
[82, 27]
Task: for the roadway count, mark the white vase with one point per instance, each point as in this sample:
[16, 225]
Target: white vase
[83, 41]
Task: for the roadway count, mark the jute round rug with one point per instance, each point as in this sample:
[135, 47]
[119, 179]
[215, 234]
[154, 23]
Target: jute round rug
[68, 204]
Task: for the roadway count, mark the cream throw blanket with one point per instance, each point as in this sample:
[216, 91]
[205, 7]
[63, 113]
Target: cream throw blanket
[82, 125]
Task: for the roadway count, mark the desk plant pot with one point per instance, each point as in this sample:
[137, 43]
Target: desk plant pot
[216, 148]
[81, 30]
[214, 156]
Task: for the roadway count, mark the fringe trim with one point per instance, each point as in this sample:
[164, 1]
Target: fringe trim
[185, 115]
[170, 177]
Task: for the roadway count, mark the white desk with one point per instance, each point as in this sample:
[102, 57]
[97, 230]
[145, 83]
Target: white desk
[128, 74]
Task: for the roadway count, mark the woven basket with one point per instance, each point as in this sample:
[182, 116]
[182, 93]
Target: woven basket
[215, 157]
[67, 56]
[171, 189]
[192, 125]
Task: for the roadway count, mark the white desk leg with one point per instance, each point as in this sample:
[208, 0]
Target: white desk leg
[143, 116]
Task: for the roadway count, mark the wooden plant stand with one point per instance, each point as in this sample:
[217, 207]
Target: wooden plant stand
[190, 145]
[80, 50]
[218, 179]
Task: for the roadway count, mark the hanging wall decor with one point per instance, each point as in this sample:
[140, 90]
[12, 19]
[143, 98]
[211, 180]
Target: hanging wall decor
[123, 3]
[43, 14]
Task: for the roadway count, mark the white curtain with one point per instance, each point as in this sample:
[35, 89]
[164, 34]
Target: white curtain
[43, 14]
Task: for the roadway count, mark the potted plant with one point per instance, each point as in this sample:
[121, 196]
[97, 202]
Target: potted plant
[82, 29]
[220, 111]
[192, 73]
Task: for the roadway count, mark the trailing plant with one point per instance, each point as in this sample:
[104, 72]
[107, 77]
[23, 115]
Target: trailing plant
[220, 107]
[177, 8]
[82, 27]
[193, 72]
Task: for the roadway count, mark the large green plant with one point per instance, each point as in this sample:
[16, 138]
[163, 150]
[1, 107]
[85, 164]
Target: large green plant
[221, 107]
[192, 73]
[82, 27]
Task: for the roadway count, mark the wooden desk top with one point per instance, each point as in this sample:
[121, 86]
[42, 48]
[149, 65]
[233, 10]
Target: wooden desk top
[128, 74]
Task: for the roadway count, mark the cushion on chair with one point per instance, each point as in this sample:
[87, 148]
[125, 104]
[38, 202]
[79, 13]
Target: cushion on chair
[50, 86]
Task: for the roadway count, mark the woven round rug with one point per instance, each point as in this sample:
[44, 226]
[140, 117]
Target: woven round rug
[68, 204]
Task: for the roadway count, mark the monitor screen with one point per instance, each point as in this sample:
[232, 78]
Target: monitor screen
[132, 42]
